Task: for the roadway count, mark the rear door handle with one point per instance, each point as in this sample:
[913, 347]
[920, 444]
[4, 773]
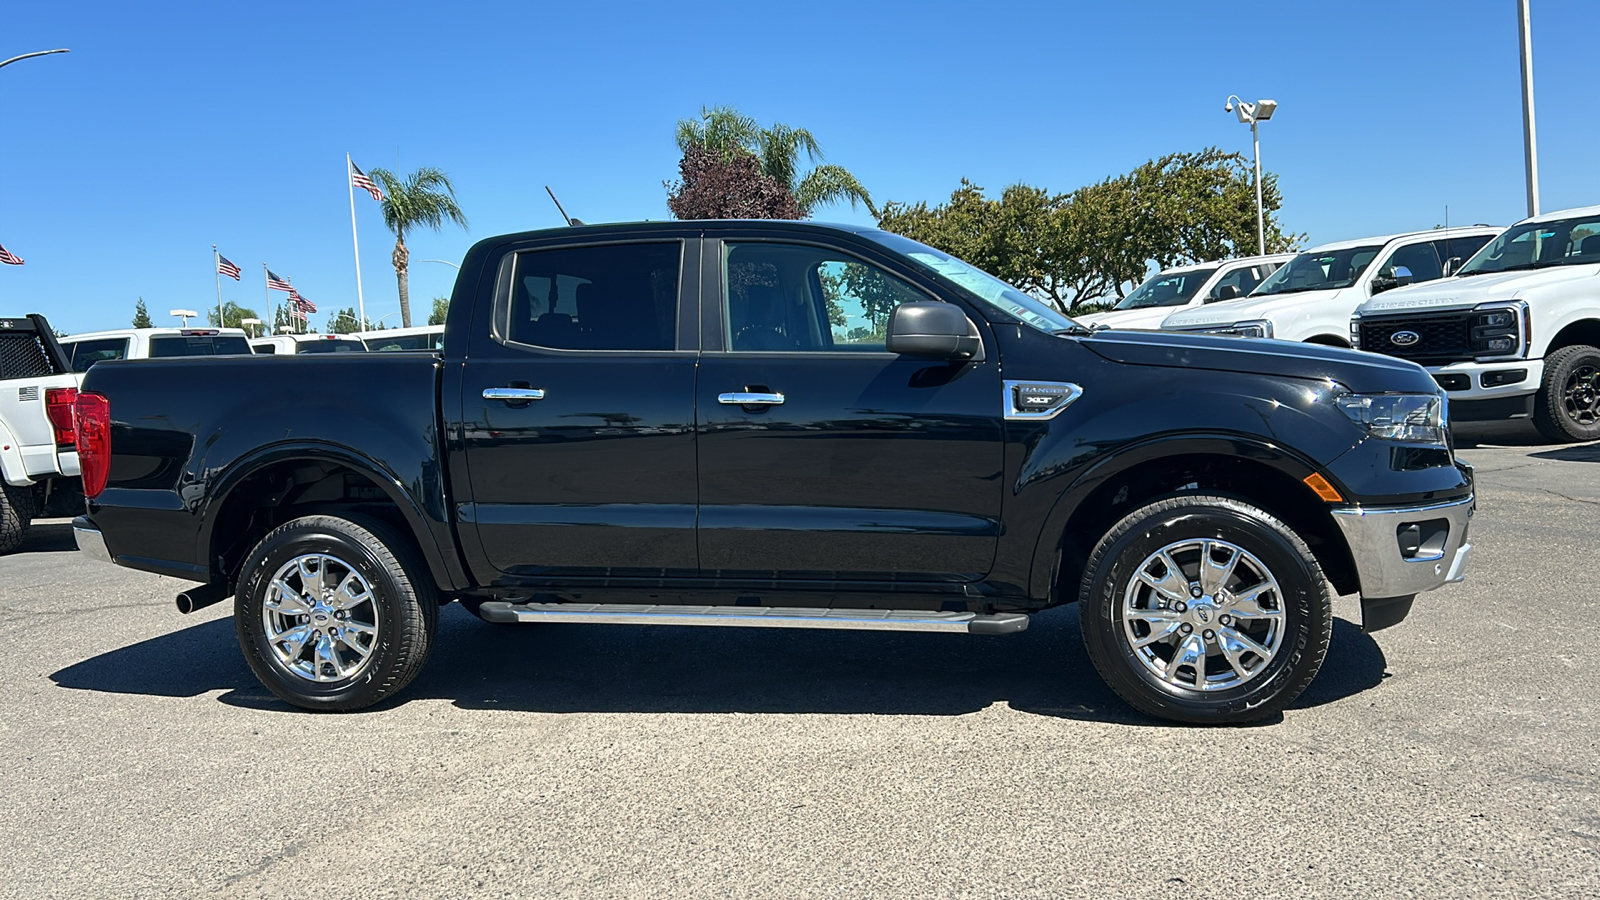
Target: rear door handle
[513, 394]
[744, 398]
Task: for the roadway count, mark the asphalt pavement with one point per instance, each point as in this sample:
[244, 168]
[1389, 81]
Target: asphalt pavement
[1453, 755]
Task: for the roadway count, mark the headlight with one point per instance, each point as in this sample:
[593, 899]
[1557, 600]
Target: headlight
[1495, 330]
[1255, 328]
[1414, 418]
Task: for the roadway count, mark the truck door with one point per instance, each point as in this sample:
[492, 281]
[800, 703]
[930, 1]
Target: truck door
[823, 456]
[578, 415]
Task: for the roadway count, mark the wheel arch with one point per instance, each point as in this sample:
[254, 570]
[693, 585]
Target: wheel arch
[1585, 331]
[1328, 340]
[285, 481]
[1262, 474]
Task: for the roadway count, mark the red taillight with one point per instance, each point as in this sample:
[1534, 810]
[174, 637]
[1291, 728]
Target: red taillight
[58, 406]
[93, 414]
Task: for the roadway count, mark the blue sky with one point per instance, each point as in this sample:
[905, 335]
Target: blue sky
[173, 126]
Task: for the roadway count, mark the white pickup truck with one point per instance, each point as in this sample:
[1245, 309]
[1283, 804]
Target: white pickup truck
[1514, 334]
[289, 344]
[84, 350]
[1186, 286]
[1311, 297]
[38, 450]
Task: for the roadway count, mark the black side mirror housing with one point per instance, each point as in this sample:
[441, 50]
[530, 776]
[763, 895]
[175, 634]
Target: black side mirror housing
[933, 330]
[1227, 292]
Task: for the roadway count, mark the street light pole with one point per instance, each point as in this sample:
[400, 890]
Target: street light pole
[1530, 147]
[32, 55]
[1254, 114]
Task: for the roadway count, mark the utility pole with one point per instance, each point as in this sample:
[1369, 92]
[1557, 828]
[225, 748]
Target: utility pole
[1530, 146]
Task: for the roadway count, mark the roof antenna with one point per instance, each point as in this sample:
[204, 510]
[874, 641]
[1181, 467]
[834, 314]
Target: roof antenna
[569, 220]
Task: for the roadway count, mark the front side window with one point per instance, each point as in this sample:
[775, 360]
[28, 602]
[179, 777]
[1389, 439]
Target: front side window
[1419, 259]
[606, 297]
[991, 291]
[86, 353]
[1459, 249]
[1537, 245]
[1166, 289]
[162, 346]
[1319, 271]
[1245, 278]
[788, 297]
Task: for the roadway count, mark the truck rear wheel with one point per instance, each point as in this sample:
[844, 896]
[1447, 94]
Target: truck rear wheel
[1206, 610]
[16, 514]
[1567, 407]
[334, 613]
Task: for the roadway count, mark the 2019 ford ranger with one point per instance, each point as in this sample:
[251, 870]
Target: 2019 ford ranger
[781, 424]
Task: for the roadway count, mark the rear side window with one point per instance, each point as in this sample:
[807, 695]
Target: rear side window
[162, 346]
[406, 342]
[86, 353]
[267, 349]
[609, 297]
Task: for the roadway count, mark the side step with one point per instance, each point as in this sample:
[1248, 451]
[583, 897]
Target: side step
[755, 617]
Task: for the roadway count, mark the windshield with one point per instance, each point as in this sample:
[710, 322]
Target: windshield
[1166, 289]
[1535, 245]
[1323, 270]
[988, 288]
[199, 345]
[341, 345]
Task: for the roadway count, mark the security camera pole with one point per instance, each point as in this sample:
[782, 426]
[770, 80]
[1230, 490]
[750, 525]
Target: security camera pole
[1530, 147]
[1253, 114]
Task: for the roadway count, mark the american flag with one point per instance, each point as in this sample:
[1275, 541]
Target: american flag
[302, 304]
[9, 258]
[274, 283]
[227, 268]
[360, 180]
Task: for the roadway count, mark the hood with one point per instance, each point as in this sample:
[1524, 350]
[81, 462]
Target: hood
[1150, 317]
[1464, 293]
[1245, 308]
[1360, 372]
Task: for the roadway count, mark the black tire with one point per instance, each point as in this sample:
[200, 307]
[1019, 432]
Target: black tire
[402, 605]
[1304, 612]
[16, 514]
[1567, 407]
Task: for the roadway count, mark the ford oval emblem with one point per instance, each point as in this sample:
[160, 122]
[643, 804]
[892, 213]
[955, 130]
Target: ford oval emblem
[1404, 338]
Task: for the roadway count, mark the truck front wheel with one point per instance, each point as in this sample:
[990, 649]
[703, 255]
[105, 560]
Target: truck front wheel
[1567, 407]
[1206, 610]
[335, 613]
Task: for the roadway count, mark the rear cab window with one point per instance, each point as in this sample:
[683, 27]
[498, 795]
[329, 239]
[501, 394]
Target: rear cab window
[330, 346]
[163, 346]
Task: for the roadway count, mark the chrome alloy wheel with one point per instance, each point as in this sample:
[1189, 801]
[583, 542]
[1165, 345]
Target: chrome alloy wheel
[1203, 615]
[320, 618]
[1581, 394]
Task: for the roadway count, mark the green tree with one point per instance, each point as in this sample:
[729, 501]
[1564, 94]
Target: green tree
[1103, 238]
[344, 321]
[441, 306]
[233, 316]
[141, 316]
[425, 198]
[778, 148]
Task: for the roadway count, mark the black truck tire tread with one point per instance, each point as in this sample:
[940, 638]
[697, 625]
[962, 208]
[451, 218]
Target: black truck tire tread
[414, 597]
[1548, 403]
[16, 515]
[1307, 649]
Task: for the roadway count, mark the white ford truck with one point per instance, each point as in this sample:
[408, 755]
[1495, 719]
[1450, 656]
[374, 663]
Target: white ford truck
[1514, 334]
[1186, 286]
[38, 450]
[1312, 297]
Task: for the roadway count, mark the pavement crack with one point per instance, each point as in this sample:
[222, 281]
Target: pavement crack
[70, 610]
[1573, 499]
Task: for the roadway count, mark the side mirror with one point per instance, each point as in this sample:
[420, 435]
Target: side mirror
[1401, 275]
[935, 330]
[1226, 292]
[1397, 276]
[1451, 265]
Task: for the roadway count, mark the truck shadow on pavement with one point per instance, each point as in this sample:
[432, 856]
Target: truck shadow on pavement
[561, 668]
[48, 537]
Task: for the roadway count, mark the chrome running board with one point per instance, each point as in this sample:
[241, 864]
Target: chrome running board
[755, 617]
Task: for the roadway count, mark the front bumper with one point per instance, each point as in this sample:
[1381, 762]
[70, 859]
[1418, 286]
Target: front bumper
[91, 542]
[1394, 562]
[1470, 382]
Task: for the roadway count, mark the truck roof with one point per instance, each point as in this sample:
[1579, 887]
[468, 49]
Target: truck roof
[119, 332]
[1573, 213]
[1382, 239]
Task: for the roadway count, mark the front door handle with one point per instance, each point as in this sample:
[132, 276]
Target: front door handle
[513, 394]
[746, 398]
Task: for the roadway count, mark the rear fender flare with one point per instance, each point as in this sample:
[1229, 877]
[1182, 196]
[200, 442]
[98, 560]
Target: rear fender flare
[443, 563]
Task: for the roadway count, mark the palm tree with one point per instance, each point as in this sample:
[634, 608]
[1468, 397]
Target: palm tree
[425, 197]
[729, 131]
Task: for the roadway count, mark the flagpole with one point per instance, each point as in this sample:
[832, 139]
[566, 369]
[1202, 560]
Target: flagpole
[216, 265]
[361, 303]
[266, 292]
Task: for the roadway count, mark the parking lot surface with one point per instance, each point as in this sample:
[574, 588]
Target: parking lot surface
[1454, 755]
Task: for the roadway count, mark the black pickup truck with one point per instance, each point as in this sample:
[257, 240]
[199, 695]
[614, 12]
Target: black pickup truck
[781, 424]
